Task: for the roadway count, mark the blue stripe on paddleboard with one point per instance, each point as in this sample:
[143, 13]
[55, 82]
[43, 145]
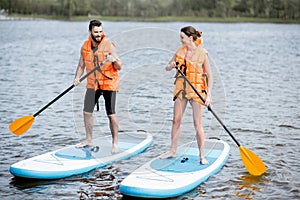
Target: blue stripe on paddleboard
[195, 151]
[190, 165]
[85, 153]
[175, 165]
[74, 153]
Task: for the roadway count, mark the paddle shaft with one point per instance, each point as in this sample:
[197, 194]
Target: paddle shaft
[209, 107]
[68, 89]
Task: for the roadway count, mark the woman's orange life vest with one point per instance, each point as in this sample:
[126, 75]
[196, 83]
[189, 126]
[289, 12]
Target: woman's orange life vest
[193, 69]
[199, 41]
[106, 78]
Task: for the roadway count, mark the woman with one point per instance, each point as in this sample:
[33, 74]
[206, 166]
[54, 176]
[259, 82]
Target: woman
[192, 59]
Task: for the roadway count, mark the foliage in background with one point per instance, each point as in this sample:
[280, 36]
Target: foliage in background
[283, 9]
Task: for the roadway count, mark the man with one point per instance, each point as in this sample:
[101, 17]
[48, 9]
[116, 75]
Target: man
[104, 81]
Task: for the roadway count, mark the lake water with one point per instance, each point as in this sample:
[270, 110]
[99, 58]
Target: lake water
[256, 93]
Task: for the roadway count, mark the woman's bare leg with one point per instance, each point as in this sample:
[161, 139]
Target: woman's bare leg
[197, 116]
[179, 108]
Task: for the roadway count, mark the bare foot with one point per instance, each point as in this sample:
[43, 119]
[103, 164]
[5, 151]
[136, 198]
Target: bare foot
[168, 155]
[203, 161]
[115, 149]
[84, 144]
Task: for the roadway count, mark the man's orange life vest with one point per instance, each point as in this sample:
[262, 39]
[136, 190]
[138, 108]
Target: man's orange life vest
[106, 77]
[193, 69]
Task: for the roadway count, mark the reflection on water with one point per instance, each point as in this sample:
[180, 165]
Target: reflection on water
[103, 184]
[247, 186]
[256, 71]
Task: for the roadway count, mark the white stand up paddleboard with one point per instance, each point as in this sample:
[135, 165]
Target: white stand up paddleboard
[70, 160]
[162, 178]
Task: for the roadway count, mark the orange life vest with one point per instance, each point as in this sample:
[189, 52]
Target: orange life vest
[199, 41]
[193, 69]
[106, 77]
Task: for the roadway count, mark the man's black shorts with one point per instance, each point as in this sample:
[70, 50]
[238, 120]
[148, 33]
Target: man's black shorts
[92, 96]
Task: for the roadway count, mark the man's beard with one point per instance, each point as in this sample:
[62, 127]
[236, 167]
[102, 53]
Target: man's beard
[95, 40]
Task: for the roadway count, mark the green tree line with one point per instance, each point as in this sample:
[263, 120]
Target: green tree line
[284, 9]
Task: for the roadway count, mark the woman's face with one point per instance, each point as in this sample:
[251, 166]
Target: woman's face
[184, 39]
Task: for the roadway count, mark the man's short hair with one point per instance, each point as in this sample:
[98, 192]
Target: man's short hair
[94, 23]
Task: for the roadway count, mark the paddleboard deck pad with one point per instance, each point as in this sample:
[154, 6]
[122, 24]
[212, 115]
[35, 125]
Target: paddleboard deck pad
[70, 160]
[163, 178]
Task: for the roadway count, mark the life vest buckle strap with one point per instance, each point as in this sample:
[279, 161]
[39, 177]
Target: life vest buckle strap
[96, 64]
[99, 70]
[182, 67]
[177, 77]
[97, 102]
[177, 94]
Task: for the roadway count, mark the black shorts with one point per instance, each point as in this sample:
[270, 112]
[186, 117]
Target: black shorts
[92, 96]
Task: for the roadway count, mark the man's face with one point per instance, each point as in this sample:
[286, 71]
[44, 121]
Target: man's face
[97, 33]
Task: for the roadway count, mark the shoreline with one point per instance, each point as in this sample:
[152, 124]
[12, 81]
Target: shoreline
[14, 17]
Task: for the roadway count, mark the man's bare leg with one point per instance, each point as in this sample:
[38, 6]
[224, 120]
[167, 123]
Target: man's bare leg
[88, 123]
[114, 128]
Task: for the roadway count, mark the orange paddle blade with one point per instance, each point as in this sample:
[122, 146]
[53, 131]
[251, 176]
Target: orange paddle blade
[252, 162]
[21, 125]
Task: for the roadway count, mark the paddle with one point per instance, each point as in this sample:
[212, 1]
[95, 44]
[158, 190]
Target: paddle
[22, 124]
[252, 162]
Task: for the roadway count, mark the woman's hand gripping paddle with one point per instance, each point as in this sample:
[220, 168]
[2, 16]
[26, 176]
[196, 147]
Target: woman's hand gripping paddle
[22, 124]
[252, 162]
